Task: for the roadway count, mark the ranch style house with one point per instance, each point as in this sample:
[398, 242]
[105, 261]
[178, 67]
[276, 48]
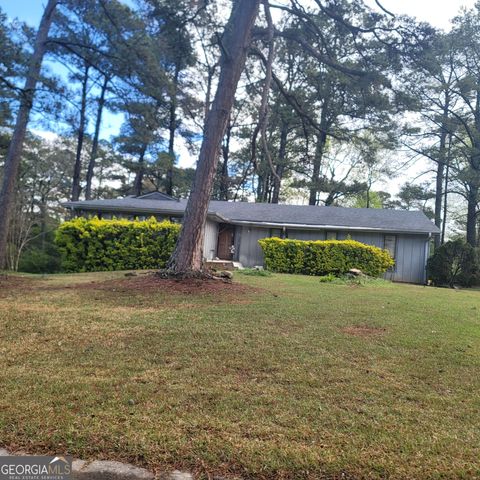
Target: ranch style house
[234, 228]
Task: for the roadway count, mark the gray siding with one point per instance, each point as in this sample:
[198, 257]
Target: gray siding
[409, 258]
[249, 252]
[306, 234]
[210, 240]
[369, 238]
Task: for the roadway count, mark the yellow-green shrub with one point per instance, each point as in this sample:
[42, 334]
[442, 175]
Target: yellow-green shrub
[324, 257]
[90, 245]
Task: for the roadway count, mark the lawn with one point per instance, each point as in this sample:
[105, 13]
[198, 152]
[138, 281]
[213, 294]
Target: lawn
[271, 377]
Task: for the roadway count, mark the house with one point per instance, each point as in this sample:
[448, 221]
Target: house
[234, 228]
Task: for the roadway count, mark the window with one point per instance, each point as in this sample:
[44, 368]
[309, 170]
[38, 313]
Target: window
[278, 232]
[390, 245]
[331, 235]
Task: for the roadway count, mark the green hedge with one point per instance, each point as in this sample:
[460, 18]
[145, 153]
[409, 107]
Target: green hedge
[324, 257]
[90, 245]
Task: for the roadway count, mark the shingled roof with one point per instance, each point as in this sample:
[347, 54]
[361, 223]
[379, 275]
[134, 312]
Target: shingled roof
[272, 215]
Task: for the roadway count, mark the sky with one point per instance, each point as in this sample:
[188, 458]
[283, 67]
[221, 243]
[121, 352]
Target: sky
[437, 12]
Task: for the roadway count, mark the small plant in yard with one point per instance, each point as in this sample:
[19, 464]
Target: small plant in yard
[330, 277]
[352, 280]
[255, 272]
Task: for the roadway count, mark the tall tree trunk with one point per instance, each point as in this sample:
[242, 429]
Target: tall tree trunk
[12, 160]
[188, 255]
[259, 195]
[317, 164]
[445, 200]
[172, 128]
[43, 221]
[319, 151]
[442, 160]
[472, 199]
[472, 202]
[208, 93]
[282, 150]
[96, 137]
[138, 183]
[223, 190]
[77, 169]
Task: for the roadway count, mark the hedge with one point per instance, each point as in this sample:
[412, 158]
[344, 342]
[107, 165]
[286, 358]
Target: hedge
[90, 245]
[324, 257]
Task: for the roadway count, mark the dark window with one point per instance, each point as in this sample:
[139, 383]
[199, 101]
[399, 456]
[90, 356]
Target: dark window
[390, 245]
[332, 235]
[279, 232]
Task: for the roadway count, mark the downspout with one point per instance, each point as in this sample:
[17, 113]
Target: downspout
[427, 254]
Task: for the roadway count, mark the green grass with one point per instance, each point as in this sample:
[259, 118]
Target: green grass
[292, 378]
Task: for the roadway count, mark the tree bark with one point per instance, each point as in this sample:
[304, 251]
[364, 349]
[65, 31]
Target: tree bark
[96, 137]
[473, 183]
[445, 200]
[188, 255]
[282, 150]
[224, 178]
[77, 168]
[172, 128]
[317, 163]
[442, 160]
[319, 151]
[138, 183]
[472, 202]
[208, 94]
[12, 159]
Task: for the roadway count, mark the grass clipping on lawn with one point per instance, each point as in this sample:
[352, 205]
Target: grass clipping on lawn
[268, 377]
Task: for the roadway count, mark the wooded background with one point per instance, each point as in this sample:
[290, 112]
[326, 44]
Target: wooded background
[337, 103]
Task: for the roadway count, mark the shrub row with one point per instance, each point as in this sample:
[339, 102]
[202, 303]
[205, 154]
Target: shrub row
[324, 257]
[90, 245]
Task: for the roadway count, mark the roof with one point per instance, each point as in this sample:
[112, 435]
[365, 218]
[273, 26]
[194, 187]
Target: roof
[271, 215]
[156, 196]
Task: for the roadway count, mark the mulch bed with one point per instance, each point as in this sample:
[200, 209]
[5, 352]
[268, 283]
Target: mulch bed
[143, 283]
[149, 283]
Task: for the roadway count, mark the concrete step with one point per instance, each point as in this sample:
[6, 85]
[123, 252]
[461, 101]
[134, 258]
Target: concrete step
[223, 265]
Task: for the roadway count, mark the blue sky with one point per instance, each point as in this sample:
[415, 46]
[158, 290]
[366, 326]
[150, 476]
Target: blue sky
[30, 11]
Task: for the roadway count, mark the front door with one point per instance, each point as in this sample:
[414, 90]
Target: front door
[226, 239]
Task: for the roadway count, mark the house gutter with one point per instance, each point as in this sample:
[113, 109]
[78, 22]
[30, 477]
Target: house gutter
[427, 252]
[307, 226]
[118, 209]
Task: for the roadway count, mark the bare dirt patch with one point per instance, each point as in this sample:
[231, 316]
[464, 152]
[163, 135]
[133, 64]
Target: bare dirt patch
[364, 331]
[12, 282]
[189, 286]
